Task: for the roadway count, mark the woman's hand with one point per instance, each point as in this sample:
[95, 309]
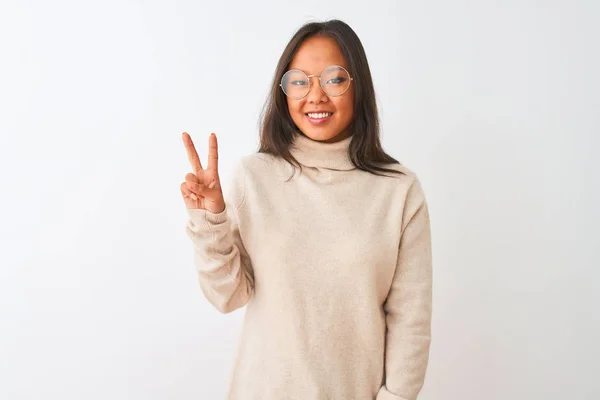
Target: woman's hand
[202, 188]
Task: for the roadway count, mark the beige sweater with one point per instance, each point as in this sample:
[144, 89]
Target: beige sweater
[334, 267]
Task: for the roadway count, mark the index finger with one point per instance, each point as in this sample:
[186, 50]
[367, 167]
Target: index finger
[191, 152]
[213, 153]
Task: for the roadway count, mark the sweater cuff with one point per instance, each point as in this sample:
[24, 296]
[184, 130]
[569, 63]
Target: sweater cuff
[205, 218]
[384, 394]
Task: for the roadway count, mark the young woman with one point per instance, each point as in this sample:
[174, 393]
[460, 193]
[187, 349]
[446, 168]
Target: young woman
[323, 237]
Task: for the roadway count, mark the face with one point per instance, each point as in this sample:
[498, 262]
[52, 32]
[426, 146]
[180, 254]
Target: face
[319, 116]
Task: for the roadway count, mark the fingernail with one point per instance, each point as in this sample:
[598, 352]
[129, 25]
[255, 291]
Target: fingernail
[212, 185]
[193, 197]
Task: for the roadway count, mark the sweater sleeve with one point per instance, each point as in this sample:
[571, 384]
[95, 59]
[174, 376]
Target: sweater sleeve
[224, 269]
[408, 306]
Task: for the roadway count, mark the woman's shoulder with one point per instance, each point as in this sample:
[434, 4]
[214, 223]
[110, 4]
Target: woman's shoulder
[259, 162]
[404, 176]
[263, 165]
[399, 167]
[405, 179]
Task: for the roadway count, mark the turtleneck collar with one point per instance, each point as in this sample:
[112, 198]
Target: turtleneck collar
[312, 153]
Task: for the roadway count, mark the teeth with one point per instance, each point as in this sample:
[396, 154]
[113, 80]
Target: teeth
[319, 115]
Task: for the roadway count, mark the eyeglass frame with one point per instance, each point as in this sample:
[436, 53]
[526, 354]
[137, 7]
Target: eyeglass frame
[320, 83]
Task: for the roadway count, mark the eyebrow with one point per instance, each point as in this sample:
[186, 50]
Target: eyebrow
[303, 70]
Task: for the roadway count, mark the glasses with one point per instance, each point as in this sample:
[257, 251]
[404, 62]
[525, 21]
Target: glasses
[334, 81]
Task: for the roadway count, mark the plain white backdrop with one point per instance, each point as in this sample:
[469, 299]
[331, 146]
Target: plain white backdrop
[495, 105]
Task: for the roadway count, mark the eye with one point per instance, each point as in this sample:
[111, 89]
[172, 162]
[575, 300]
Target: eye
[298, 83]
[335, 80]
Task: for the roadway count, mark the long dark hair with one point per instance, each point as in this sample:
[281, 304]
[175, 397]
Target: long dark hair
[277, 127]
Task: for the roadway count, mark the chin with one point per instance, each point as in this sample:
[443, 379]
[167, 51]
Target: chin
[316, 135]
[322, 135]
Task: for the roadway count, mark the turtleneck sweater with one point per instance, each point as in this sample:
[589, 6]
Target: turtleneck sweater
[333, 267]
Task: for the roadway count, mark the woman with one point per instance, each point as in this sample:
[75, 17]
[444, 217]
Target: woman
[324, 237]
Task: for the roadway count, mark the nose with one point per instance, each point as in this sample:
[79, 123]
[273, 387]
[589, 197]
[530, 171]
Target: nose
[316, 94]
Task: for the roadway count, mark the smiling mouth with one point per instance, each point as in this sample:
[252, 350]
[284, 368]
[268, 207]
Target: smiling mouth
[318, 118]
[321, 115]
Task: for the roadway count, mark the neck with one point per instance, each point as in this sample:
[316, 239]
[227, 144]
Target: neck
[320, 154]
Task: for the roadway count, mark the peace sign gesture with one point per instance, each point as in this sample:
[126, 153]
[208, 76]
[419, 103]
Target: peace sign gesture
[202, 188]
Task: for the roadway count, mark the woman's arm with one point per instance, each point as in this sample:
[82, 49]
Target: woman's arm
[224, 268]
[408, 305]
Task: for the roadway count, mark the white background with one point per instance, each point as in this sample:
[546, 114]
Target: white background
[494, 104]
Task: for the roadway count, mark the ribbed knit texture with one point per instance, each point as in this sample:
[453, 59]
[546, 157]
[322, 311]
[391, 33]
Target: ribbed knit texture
[334, 268]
